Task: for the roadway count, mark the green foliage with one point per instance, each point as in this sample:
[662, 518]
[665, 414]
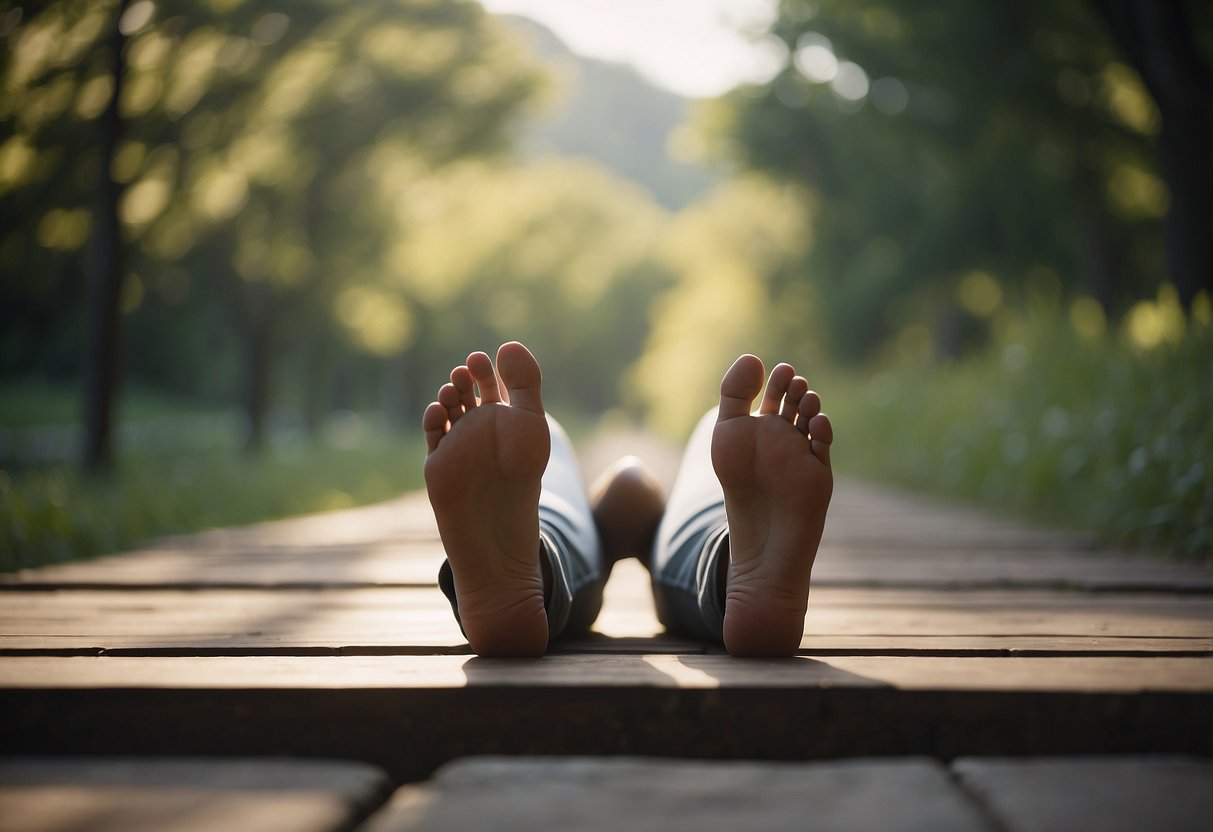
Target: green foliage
[53, 513]
[257, 140]
[732, 292]
[557, 254]
[1095, 433]
[941, 138]
[311, 182]
[323, 184]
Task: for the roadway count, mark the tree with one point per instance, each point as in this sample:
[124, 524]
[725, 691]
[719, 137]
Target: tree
[102, 365]
[1159, 41]
[961, 157]
[558, 254]
[252, 135]
[732, 259]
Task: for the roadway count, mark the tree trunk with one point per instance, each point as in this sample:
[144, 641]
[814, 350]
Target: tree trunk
[1185, 150]
[102, 360]
[1158, 41]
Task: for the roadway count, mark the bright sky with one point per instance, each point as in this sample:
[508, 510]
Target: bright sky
[693, 47]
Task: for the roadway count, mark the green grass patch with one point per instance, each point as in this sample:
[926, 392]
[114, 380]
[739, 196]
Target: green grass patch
[53, 513]
[1083, 432]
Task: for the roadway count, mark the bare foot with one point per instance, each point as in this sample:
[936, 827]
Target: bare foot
[485, 459]
[627, 503]
[775, 471]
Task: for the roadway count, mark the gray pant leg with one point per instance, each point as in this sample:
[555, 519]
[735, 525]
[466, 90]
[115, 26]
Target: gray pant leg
[568, 539]
[692, 538]
[571, 541]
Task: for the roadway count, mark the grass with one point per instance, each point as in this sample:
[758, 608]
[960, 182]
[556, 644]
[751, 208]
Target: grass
[1095, 432]
[51, 513]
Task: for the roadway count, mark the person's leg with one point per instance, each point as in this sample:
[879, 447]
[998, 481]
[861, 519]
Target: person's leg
[523, 554]
[734, 554]
[572, 546]
[692, 540]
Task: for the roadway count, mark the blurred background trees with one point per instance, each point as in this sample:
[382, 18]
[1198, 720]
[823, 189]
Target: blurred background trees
[313, 210]
[249, 154]
[966, 157]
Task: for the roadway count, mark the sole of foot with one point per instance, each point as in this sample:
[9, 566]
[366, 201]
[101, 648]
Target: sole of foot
[774, 466]
[487, 445]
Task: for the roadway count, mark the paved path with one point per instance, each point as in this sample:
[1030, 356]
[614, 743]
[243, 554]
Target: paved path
[942, 638]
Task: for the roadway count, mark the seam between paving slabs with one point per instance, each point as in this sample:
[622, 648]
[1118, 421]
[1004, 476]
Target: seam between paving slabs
[984, 809]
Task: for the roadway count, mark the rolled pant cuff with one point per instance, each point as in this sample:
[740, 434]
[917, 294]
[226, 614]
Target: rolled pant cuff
[709, 592]
[559, 603]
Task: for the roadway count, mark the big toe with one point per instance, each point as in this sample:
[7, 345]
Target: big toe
[739, 386]
[521, 375]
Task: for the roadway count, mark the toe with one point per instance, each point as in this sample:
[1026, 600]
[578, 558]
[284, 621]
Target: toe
[739, 386]
[777, 386]
[808, 407]
[448, 397]
[797, 387]
[461, 377]
[822, 434]
[433, 424]
[481, 367]
[521, 376]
